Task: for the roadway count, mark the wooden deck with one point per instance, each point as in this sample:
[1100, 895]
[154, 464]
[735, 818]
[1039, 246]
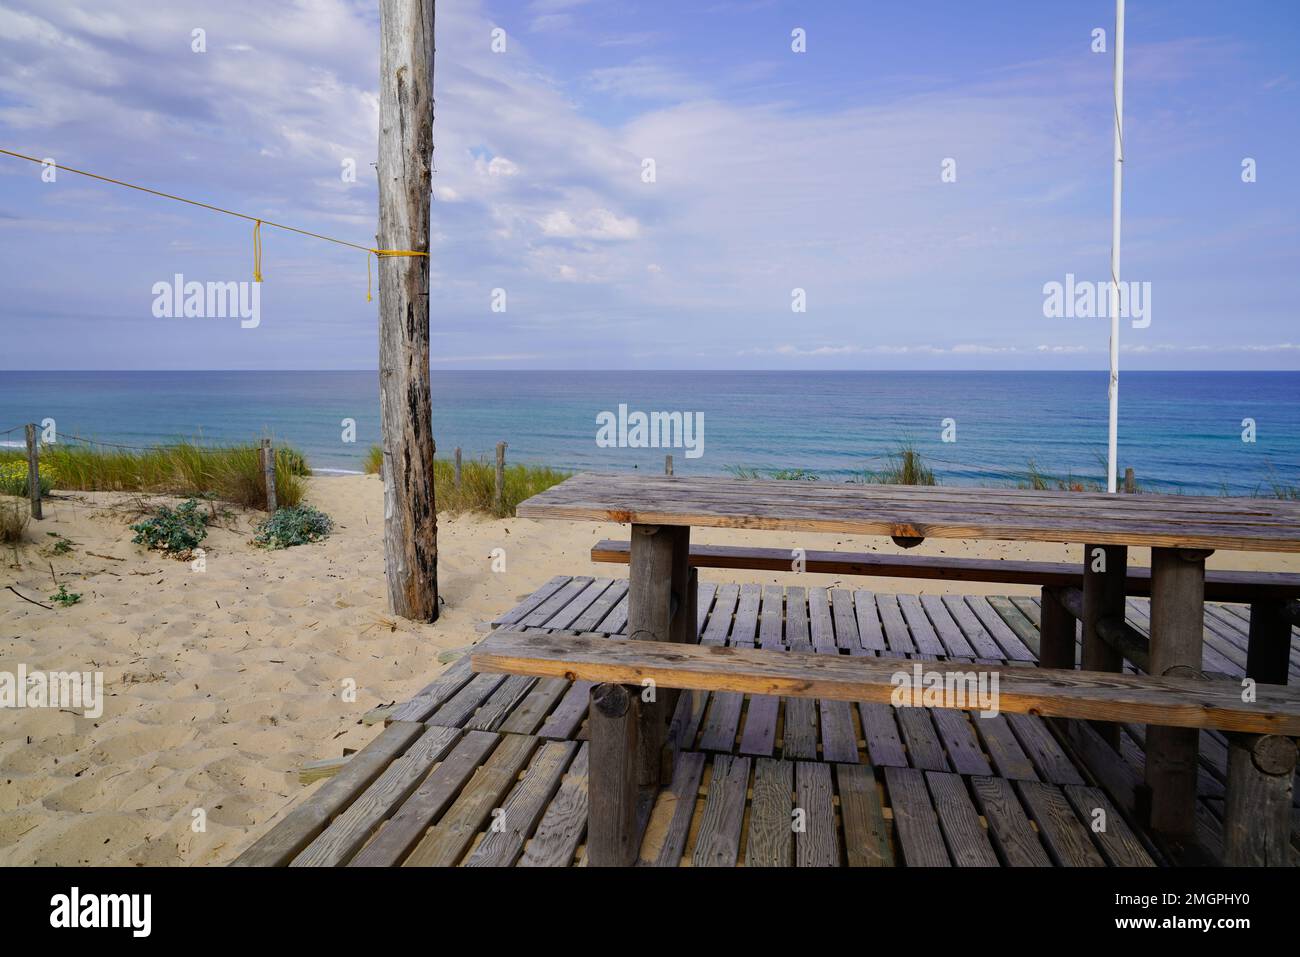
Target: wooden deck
[491, 769]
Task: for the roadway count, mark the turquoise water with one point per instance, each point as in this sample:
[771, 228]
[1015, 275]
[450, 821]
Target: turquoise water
[1178, 430]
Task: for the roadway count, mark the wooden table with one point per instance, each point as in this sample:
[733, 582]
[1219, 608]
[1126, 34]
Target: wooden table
[1182, 531]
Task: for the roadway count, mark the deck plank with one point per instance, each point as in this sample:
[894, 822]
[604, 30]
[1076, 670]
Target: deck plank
[718, 841]
[866, 833]
[771, 841]
[919, 837]
[564, 824]
[818, 844]
[967, 843]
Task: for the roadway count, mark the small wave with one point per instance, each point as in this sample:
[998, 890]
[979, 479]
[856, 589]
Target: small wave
[6, 444]
[320, 471]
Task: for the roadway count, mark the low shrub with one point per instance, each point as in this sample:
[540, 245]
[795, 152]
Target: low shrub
[174, 531]
[295, 525]
[13, 477]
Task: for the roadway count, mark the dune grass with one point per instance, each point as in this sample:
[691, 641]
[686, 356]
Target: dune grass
[903, 467]
[229, 473]
[14, 518]
[478, 484]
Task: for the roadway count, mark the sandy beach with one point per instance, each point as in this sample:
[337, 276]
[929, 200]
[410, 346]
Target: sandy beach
[220, 684]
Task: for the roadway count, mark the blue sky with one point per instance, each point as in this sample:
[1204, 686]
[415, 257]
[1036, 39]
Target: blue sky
[775, 170]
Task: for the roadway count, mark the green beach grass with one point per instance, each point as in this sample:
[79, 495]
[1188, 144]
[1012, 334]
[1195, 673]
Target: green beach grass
[228, 473]
[478, 484]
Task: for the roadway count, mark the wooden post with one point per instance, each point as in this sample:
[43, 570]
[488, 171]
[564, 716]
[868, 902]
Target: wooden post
[33, 470]
[268, 474]
[1056, 633]
[406, 413]
[1130, 482]
[612, 792]
[668, 465]
[456, 474]
[649, 618]
[1257, 800]
[1269, 646]
[1103, 597]
[1177, 633]
[498, 498]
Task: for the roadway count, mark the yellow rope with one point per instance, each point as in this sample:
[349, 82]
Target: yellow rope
[257, 222]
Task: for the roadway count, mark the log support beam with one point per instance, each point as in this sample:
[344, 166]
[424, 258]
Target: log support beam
[1177, 625]
[1105, 572]
[1257, 801]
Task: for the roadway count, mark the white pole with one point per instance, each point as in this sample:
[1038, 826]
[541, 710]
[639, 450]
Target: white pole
[1113, 444]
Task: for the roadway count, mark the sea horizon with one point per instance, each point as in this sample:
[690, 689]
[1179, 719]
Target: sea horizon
[1182, 431]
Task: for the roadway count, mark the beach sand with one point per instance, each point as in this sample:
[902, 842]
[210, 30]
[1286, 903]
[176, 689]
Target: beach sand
[220, 684]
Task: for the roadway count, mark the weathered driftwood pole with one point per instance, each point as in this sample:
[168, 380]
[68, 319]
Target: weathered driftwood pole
[668, 465]
[33, 470]
[498, 497]
[456, 474]
[268, 473]
[406, 412]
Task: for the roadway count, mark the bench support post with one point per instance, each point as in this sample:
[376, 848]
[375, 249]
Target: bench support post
[1056, 632]
[1257, 801]
[1105, 572]
[659, 579]
[612, 798]
[1177, 633]
[1269, 649]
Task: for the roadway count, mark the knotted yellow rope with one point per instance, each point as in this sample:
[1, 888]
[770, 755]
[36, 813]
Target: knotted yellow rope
[256, 221]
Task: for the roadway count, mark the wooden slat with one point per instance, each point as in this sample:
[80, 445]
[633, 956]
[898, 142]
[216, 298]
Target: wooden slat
[527, 606]
[555, 603]
[1066, 838]
[536, 705]
[771, 840]
[870, 631]
[1009, 828]
[924, 749]
[283, 842]
[1119, 845]
[569, 714]
[1175, 702]
[718, 842]
[500, 703]
[503, 844]
[460, 706]
[818, 844]
[561, 828]
[434, 694]
[967, 843]
[879, 728]
[599, 609]
[919, 837]
[839, 739]
[1009, 758]
[446, 842]
[972, 629]
[923, 634]
[866, 834]
[960, 742]
[347, 832]
[434, 795]
[1013, 648]
[1052, 763]
[678, 803]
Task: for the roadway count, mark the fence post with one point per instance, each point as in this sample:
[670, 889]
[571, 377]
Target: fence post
[268, 471]
[33, 470]
[668, 465]
[1130, 482]
[501, 476]
[456, 473]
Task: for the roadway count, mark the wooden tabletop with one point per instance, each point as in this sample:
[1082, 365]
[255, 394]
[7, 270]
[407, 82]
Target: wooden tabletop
[1169, 521]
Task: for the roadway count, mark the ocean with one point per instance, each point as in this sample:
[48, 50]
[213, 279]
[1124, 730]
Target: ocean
[1180, 431]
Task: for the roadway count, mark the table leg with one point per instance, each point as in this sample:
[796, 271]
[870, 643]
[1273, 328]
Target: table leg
[1105, 580]
[660, 608]
[612, 824]
[1177, 634]
[1269, 650]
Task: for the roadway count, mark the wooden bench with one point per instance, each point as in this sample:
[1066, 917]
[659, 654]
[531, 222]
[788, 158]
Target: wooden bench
[1274, 597]
[1262, 752]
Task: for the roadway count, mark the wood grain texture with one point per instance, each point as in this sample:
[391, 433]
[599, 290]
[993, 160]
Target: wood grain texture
[925, 512]
[1175, 702]
[562, 827]
[349, 830]
[968, 844]
[771, 841]
[405, 162]
[866, 833]
[1009, 829]
[718, 842]
[503, 844]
